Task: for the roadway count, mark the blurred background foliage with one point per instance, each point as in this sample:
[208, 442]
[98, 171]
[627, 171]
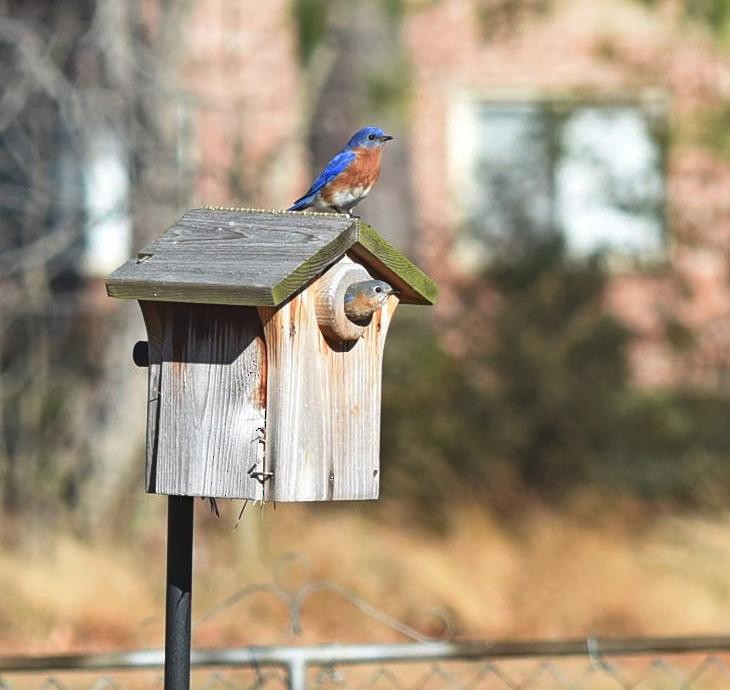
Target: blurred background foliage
[519, 389]
[713, 14]
[540, 406]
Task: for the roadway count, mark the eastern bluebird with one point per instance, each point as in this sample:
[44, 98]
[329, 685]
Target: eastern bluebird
[349, 176]
[363, 299]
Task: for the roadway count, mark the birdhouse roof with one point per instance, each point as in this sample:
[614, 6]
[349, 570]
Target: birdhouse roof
[260, 258]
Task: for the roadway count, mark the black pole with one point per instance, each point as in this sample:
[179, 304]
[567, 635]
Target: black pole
[179, 592]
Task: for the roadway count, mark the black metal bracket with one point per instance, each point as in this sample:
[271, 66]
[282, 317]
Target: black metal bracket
[141, 353]
[260, 477]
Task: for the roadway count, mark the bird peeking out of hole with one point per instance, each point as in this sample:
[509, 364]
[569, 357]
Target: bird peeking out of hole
[363, 299]
[348, 178]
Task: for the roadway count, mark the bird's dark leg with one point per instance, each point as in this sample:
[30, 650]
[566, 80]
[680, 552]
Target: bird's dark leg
[343, 211]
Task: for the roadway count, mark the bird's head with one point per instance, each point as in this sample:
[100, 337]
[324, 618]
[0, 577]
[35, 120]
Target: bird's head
[373, 292]
[369, 138]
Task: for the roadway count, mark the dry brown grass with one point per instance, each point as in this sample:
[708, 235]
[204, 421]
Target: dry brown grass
[549, 574]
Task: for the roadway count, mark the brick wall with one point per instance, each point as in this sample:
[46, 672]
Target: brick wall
[593, 49]
[243, 74]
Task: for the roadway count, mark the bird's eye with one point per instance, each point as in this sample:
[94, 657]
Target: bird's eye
[371, 136]
[378, 289]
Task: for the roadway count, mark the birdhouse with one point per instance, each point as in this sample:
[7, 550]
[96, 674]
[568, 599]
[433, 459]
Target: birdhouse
[260, 386]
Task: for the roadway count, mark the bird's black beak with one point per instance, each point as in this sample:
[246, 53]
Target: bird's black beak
[385, 137]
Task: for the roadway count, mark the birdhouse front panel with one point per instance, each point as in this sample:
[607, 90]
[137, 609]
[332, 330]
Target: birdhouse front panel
[266, 335]
[323, 396]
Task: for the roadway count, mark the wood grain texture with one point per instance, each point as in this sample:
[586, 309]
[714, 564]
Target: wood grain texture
[207, 385]
[152, 314]
[323, 431]
[259, 258]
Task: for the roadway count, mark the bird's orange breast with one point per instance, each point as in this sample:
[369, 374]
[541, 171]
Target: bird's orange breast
[360, 307]
[363, 171]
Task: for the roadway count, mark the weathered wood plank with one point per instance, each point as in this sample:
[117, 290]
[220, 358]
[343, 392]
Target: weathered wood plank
[218, 278]
[384, 260]
[258, 258]
[255, 231]
[323, 430]
[196, 294]
[220, 257]
[209, 381]
[151, 312]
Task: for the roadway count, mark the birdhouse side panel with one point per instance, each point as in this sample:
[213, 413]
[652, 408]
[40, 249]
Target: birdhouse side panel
[207, 412]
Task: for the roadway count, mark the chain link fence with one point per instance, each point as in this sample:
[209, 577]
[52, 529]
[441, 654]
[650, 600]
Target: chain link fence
[641, 664]
[421, 663]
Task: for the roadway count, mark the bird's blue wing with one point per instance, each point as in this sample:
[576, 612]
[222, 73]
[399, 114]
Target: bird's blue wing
[337, 165]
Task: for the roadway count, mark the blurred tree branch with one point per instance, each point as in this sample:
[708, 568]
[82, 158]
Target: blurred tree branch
[74, 72]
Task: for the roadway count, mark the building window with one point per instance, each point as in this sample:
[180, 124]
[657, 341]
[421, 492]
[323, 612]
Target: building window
[592, 171]
[105, 198]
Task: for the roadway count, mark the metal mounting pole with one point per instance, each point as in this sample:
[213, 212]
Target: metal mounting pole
[179, 592]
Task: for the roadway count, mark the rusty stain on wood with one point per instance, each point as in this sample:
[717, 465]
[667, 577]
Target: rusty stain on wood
[259, 392]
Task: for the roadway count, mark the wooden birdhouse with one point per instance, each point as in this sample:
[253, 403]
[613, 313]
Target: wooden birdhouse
[260, 387]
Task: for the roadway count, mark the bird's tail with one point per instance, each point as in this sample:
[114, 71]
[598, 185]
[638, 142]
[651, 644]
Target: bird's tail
[301, 203]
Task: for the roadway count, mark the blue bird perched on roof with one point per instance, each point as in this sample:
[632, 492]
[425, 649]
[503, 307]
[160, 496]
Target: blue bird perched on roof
[348, 178]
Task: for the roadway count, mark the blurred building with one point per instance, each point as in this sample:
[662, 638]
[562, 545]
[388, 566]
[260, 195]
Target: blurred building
[585, 117]
[524, 117]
